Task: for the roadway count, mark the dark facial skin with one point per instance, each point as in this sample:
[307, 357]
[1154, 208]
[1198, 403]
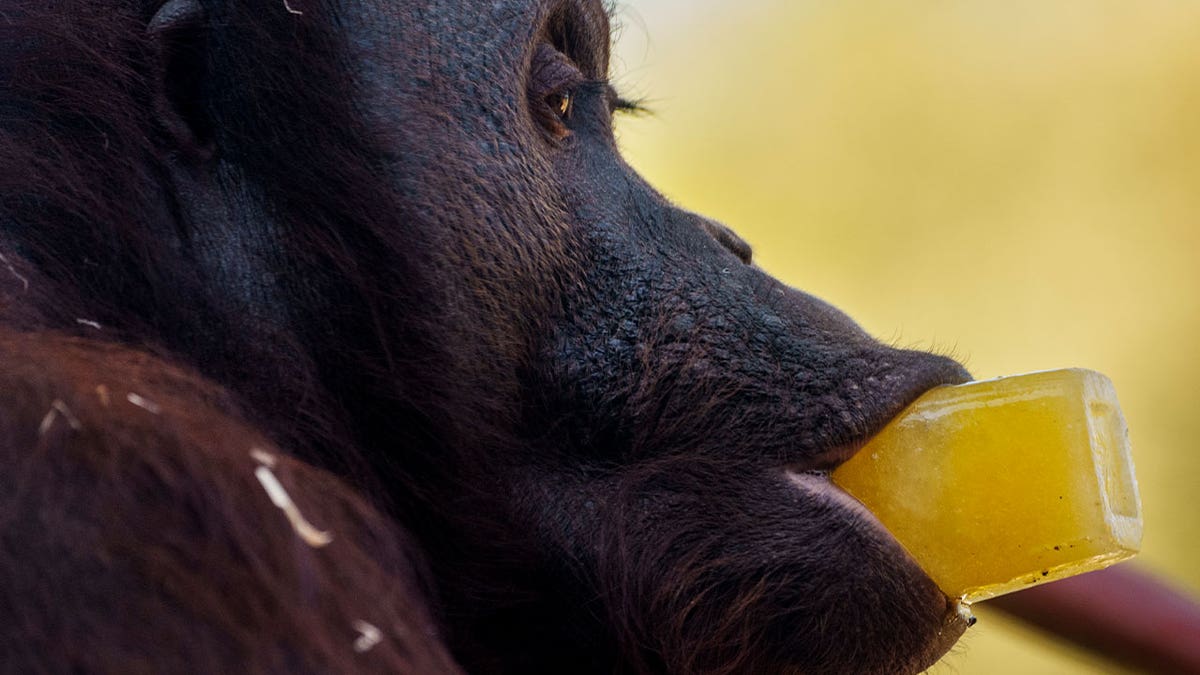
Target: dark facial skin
[402, 234]
[668, 390]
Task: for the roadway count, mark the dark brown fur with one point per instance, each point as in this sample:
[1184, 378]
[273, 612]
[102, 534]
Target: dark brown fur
[549, 418]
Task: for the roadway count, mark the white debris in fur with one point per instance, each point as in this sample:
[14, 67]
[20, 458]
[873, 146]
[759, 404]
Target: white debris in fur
[289, 8]
[57, 408]
[964, 612]
[89, 323]
[263, 457]
[369, 636]
[15, 273]
[280, 498]
[143, 403]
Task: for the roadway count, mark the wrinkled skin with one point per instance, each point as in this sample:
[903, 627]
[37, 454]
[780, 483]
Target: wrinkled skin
[401, 235]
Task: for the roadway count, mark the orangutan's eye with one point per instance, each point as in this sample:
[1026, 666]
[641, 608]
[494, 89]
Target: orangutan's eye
[561, 103]
[553, 82]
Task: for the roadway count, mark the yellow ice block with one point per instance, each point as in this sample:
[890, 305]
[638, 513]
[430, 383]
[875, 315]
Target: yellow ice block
[995, 485]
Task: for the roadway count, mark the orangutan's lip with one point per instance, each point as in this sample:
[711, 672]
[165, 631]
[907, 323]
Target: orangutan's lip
[831, 458]
[818, 484]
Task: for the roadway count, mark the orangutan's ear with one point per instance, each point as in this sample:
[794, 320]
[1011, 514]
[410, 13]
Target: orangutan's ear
[180, 76]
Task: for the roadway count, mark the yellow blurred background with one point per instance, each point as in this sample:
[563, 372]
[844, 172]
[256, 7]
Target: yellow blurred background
[1016, 183]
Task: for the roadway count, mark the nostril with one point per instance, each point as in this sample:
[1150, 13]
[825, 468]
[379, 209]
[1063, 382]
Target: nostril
[727, 238]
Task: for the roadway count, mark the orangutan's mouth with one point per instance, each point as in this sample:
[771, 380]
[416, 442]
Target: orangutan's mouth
[814, 477]
[826, 461]
[818, 484]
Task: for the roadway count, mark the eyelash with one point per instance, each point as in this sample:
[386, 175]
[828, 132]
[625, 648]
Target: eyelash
[626, 106]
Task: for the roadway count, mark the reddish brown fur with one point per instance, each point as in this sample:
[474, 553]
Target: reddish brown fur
[151, 547]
